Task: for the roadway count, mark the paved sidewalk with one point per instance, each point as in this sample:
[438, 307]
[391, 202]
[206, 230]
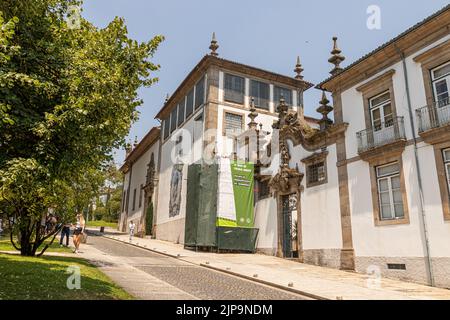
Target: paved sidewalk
[315, 281]
[136, 282]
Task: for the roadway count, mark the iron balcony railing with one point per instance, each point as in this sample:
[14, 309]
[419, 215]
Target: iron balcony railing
[434, 116]
[382, 134]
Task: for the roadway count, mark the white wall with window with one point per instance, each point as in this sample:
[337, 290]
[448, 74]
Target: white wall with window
[187, 106]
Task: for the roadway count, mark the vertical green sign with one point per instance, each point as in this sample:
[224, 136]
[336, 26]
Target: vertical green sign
[242, 176]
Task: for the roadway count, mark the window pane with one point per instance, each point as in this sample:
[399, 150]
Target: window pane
[233, 123]
[447, 155]
[388, 116]
[386, 212]
[200, 93]
[316, 172]
[260, 92]
[384, 186]
[173, 120]
[399, 210]
[181, 113]
[376, 118]
[380, 99]
[279, 92]
[385, 198]
[441, 90]
[234, 88]
[397, 196]
[166, 127]
[395, 181]
[190, 103]
[442, 71]
[390, 169]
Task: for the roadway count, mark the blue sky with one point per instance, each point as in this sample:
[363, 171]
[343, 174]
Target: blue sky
[267, 34]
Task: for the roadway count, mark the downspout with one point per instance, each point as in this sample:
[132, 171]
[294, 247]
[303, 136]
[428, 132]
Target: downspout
[429, 263]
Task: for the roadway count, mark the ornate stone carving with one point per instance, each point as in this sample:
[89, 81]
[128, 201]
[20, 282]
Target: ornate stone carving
[336, 58]
[324, 109]
[298, 69]
[214, 46]
[252, 125]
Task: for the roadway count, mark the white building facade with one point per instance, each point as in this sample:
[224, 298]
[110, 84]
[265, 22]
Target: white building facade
[369, 191]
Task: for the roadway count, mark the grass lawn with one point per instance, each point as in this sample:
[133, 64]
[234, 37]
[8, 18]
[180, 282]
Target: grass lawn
[5, 245]
[45, 279]
[101, 223]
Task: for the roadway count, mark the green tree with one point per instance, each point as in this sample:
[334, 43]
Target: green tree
[108, 204]
[68, 97]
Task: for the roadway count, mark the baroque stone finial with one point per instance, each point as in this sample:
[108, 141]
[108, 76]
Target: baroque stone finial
[214, 46]
[252, 115]
[298, 69]
[336, 58]
[324, 109]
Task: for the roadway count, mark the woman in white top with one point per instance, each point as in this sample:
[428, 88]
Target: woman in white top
[78, 232]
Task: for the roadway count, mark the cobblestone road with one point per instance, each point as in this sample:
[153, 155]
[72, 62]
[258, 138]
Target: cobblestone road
[194, 280]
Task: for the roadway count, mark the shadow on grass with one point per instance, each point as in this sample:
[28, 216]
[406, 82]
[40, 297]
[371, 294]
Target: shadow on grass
[46, 278]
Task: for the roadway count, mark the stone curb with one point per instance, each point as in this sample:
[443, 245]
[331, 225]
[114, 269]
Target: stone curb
[270, 284]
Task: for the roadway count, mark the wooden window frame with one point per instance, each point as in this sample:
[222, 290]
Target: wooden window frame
[380, 106]
[181, 106]
[242, 115]
[197, 106]
[374, 164]
[390, 190]
[225, 74]
[312, 160]
[251, 95]
[276, 101]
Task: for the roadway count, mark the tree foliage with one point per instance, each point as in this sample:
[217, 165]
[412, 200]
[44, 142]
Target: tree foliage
[68, 97]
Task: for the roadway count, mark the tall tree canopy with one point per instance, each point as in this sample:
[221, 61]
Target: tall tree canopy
[68, 96]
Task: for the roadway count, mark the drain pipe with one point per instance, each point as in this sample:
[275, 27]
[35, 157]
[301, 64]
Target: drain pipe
[419, 175]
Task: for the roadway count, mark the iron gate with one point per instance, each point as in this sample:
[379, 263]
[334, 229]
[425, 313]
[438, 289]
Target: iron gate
[287, 227]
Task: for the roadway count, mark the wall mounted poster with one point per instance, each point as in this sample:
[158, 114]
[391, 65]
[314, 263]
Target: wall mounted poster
[175, 190]
[235, 194]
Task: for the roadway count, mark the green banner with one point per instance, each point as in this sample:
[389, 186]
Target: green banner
[242, 177]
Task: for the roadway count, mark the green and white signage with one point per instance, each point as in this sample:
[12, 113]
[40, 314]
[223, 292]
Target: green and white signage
[235, 207]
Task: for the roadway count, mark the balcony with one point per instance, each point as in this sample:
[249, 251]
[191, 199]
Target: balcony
[434, 116]
[386, 133]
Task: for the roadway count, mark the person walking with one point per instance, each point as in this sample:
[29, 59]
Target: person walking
[131, 226]
[78, 232]
[65, 233]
